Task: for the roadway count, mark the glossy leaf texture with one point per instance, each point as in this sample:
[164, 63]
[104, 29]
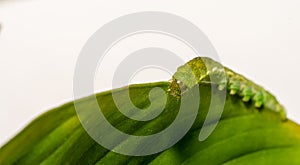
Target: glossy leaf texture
[244, 135]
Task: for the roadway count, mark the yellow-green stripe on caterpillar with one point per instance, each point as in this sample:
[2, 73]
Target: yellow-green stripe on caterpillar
[202, 69]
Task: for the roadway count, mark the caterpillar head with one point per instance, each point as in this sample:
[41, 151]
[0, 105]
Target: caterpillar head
[199, 69]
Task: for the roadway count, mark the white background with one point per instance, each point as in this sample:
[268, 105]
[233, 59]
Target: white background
[40, 41]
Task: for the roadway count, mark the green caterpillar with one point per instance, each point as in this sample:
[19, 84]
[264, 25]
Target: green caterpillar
[205, 70]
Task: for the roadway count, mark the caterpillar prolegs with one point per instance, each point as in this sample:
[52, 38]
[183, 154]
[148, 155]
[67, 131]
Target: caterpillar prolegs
[205, 70]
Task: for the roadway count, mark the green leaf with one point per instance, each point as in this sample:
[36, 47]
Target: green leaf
[245, 134]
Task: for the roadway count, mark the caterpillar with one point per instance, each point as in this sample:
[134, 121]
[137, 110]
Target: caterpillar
[205, 70]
